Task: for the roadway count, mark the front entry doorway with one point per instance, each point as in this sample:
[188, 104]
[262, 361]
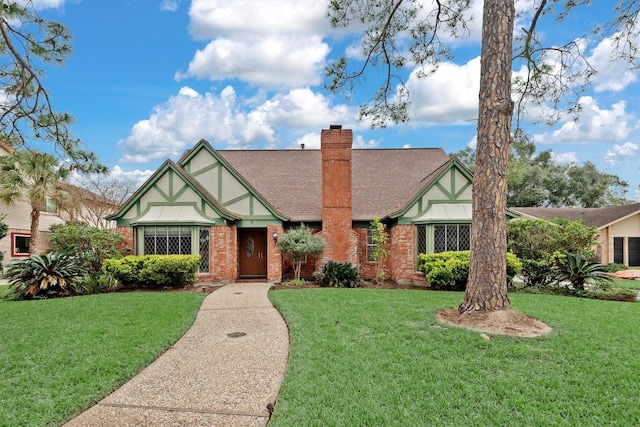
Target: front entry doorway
[252, 245]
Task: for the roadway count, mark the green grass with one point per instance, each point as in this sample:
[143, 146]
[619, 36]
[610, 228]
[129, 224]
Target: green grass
[60, 356]
[363, 357]
[629, 284]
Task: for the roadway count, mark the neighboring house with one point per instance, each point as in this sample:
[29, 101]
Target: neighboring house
[232, 206]
[618, 229]
[15, 245]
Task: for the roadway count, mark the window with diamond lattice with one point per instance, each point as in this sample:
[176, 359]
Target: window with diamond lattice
[162, 240]
[204, 249]
[422, 239]
[451, 237]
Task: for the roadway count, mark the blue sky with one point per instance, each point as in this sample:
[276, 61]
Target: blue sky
[149, 78]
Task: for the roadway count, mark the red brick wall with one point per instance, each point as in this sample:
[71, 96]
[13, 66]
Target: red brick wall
[274, 254]
[402, 252]
[335, 146]
[223, 253]
[128, 235]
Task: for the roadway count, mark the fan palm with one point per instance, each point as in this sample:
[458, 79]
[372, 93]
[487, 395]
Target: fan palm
[578, 270]
[32, 176]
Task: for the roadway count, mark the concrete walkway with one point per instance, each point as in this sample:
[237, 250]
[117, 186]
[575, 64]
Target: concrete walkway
[225, 371]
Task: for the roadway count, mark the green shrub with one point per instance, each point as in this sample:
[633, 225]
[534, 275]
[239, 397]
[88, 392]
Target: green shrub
[450, 270]
[45, 276]
[94, 284]
[339, 275]
[613, 267]
[539, 244]
[580, 271]
[153, 271]
[93, 245]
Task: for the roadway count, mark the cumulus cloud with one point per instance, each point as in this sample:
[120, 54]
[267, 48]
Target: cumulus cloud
[277, 45]
[449, 95]
[621, 152]
[228, 120]
[595, 124]
[614, 75]
[210, 19]
[360, 142]
[564, 158]
[274, 61]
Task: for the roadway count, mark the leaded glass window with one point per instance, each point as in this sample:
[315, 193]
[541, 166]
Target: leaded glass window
[171, 240]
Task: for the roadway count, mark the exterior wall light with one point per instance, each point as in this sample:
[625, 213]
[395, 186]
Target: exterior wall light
[275, 237]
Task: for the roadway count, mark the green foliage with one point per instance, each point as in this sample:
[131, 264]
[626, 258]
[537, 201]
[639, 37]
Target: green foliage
[4, 228]
[580, 271]
[381, 251]
[450, 270]
[298, 243]
[92, 245]
[539, 244]
[613, 267]
[90, 284]
[45, 276]
[26, 43]
[153, 271]
[535, 180]
[339, 275]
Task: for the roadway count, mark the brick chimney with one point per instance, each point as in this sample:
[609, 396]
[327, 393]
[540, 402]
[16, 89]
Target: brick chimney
[335, 146]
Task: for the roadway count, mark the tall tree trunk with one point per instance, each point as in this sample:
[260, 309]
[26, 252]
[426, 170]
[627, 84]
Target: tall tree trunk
[487, 285]
[35, 224]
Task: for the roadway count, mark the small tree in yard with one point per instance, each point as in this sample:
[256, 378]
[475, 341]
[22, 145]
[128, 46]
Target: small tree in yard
[540, 244]
[298, 243]
[381, 250]
[91, 245]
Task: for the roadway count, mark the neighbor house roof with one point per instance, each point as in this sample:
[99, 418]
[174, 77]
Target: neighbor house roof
[593, 217]
[291, 180]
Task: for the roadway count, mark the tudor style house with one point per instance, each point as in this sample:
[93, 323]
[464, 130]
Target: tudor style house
[618, 229]
[232, 206]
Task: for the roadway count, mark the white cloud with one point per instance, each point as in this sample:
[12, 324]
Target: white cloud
[310, 140]
[240, 19]
[564, 158]
[278, 44]
[274, 61]
[360, 142]
[226, 119]
[621, 152]
[612, 75]
[137, 175]
[449, 95]
[169, 5]
[594, 125]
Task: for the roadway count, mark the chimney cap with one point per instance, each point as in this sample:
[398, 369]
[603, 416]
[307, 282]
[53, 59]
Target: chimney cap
[335, 127]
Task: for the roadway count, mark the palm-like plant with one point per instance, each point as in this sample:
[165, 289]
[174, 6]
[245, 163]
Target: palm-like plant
[33, 176]
[48, 275]
[578, 270]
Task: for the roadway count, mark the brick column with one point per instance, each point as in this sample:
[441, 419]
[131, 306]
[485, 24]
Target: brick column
[335, 146]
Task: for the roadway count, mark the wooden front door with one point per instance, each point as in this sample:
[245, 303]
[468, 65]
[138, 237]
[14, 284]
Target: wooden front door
[253, 252]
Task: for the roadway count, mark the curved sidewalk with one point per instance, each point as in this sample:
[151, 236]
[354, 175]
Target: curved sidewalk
[225, 371]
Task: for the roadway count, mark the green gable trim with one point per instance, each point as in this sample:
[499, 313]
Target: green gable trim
[174, 174]
[448, 189]
[222, 163]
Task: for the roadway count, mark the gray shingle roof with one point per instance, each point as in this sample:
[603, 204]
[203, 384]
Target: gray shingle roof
[382, 179]
[594, 217]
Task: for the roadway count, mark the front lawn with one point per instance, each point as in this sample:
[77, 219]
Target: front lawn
[378, 357]
[60, 356]
[629, 284]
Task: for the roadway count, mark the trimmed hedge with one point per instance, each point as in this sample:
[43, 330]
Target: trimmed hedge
[450, 270]
[153, 271]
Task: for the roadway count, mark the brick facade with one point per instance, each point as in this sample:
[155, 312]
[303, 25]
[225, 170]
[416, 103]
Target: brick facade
[402, 253]
[340, 240]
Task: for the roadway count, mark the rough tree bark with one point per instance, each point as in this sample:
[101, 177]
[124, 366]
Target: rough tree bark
[487, 284]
